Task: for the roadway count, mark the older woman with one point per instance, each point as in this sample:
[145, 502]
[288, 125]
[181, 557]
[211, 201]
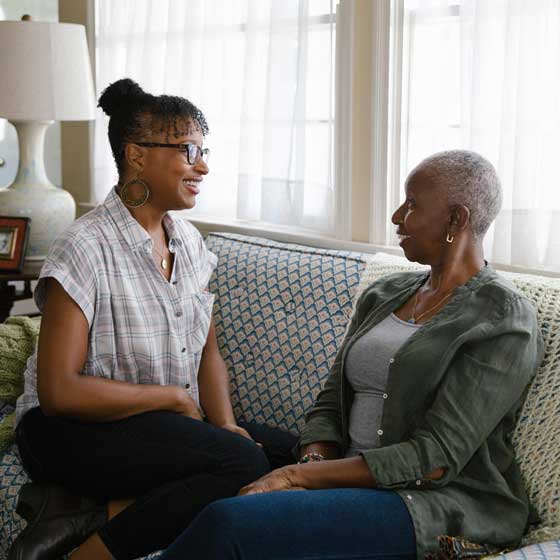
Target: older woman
[127, 362]
[410, 438]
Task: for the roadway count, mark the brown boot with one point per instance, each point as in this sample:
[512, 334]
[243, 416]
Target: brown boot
[57, 522]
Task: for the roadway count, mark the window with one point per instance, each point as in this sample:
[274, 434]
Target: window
[263, 74]
[414, 77]
[485, 76]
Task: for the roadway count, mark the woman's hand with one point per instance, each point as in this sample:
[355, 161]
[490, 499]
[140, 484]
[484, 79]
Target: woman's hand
[230, 427]
[352, 472]
[186, 405]
[275, 481]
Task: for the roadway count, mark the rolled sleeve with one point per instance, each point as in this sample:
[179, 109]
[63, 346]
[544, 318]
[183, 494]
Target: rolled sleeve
[483, 384]
[71, 263]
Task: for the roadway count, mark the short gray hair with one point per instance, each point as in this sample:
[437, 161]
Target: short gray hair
[470, 180]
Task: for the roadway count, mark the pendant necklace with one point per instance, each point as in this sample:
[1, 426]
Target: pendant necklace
[414, 319]
[163, 262]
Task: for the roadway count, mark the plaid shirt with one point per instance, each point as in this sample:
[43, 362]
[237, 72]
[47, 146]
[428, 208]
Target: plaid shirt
[142, 328]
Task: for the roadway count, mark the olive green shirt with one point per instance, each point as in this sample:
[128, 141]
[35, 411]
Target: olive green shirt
[454, 388]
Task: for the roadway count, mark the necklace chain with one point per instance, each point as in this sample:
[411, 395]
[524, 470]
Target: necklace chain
[163, 262]
[414, 319]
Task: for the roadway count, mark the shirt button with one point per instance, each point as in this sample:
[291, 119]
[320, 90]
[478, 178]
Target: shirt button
[418, 482]
[379, 432]
[183, 349]
[392, 361]
[174, 282]
[408, 497]
[385, 396]
[178, 314]
[188, 386]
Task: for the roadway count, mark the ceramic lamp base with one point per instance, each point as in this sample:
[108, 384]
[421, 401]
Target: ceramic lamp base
[51, 210]
[32, 195]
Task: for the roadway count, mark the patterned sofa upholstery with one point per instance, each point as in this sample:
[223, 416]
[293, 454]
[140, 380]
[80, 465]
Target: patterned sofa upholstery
[281, 311]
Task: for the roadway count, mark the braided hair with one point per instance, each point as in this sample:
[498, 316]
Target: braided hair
[136, 115]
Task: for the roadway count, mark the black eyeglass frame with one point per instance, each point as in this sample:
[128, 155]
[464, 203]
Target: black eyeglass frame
[203, 153]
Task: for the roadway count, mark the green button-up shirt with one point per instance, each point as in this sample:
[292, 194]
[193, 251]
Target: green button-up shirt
[454, 389]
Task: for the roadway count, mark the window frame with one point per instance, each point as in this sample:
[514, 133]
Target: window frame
[360, 183]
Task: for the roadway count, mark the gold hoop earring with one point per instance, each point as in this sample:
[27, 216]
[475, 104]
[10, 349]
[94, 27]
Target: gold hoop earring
[449, 238]
[135, 202]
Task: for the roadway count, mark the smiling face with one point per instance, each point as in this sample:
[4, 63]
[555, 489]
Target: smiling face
[174, 183]
[423, 219]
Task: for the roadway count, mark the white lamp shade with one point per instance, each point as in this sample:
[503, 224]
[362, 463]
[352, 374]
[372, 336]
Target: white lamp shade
[45, 72]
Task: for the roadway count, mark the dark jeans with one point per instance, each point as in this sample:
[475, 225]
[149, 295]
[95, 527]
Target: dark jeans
[347, 523]
[173, 466]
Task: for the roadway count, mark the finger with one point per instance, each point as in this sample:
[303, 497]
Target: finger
[257, 490]
[246, 434]
[245, 490]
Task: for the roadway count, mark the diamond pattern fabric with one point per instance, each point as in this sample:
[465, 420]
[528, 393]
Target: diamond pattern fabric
[281, 312]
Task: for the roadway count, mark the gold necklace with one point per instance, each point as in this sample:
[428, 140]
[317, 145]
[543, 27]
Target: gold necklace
[414, 319]
[163, 262]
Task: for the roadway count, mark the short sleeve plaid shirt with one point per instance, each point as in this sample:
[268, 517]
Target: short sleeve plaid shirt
[142, 328]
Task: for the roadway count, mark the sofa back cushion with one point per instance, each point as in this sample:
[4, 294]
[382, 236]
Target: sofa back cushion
[537, 434]
[281, 311]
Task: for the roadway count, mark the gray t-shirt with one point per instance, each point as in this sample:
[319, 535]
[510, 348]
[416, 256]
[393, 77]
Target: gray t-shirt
[367, 368]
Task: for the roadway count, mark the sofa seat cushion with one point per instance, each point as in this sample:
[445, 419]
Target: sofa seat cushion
[547, 550]
[281, 311]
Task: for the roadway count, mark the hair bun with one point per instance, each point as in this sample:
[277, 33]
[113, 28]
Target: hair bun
[118, 95]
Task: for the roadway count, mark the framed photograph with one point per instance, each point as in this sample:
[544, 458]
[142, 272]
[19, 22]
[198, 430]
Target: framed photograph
[14, 233]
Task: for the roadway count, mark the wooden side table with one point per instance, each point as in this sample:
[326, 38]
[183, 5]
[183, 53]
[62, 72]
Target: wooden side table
[8, 293]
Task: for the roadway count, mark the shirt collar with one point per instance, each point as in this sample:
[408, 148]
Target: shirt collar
[170, 225]
[132, 232]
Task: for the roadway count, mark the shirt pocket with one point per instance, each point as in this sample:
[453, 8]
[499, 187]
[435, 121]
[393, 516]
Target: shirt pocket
[197, 308]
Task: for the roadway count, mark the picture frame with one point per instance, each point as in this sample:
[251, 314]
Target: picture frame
[14, 234]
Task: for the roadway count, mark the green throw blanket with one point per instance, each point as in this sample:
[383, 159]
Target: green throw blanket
[18, 337]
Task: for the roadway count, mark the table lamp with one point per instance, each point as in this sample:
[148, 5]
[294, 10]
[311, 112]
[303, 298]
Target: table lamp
[45, 75]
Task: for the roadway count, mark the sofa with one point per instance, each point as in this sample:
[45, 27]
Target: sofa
[281, 312]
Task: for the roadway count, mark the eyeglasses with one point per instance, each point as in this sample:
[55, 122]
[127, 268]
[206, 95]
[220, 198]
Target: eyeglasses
[193, 151]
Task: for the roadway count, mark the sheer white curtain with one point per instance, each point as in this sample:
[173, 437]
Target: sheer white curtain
[262, 71]
[485, 75]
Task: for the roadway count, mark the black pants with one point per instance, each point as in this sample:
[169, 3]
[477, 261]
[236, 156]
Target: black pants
[171, 465]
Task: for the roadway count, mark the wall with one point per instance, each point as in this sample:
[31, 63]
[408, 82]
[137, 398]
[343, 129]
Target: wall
[77, 137]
